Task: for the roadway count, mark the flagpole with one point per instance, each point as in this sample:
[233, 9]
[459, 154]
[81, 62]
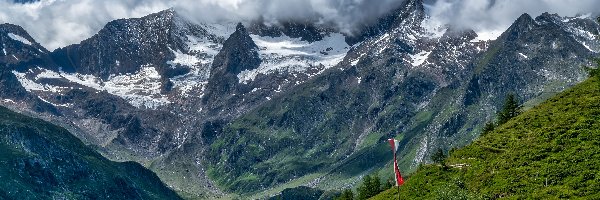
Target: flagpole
[394, 175]
[397, 176]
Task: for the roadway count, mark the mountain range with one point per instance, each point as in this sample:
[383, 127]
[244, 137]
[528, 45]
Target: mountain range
[251, 108]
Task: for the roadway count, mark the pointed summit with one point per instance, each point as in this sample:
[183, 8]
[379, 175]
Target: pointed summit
[522, 25]
[411, 14]
[408, 13]
[240, 28]
[7, 28]
[239, 53]
[168, 12]
[525, 21]
[412, 6]
[17, 45]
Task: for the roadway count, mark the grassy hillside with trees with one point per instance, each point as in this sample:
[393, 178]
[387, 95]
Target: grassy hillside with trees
[548, 152]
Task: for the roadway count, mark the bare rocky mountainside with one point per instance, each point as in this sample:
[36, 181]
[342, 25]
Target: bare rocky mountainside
[252, 109]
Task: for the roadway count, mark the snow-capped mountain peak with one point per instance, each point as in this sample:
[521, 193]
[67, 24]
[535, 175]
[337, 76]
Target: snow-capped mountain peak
[17, 45]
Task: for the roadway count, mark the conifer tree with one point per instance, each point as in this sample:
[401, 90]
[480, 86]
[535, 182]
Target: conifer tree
[363, 190]
[594, 71]
[375, 186]
[510, 110]
[370, 187]
[347, 194]
[487, 128]
[438, 157]
[389, 183]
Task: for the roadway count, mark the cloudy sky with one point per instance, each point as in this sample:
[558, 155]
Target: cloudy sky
[57, 23]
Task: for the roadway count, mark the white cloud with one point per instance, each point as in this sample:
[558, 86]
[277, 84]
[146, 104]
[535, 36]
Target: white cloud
[497, 15]
[57, 23]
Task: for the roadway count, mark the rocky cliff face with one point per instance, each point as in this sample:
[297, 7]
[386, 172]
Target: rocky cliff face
[239, 53]
[124, 46]
[251, 108]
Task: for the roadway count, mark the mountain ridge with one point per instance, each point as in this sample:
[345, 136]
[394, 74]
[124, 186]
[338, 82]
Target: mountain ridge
[303, 85]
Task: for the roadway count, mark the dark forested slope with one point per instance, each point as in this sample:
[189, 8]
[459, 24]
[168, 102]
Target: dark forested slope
[39, 160]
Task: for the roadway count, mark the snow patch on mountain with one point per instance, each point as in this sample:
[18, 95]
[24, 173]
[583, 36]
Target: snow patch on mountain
[487, 35]
[421, 152]
[419, 58]
[201, 53]
[8, 101]
[68, 105]
[384, 39]
[47, 74]
[285, 54]
[199, 71]
[141, 89]
[191, 81]
[184, 59]
[19, 38]
[223, 30]
[583, 16]
[204, 47]
[523, 55]
[355, 62]
[31, 86]
[590, 48]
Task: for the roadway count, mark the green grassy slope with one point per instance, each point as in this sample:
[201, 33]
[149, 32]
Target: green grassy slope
[551, 151]
[39, 160]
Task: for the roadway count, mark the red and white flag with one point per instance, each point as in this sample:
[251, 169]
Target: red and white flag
[395, 143]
